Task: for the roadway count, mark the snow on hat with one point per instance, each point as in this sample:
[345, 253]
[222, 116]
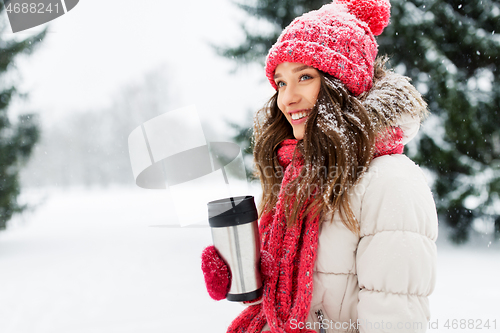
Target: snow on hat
[337, 39]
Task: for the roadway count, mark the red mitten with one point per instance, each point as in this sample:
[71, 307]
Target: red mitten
[216, 272]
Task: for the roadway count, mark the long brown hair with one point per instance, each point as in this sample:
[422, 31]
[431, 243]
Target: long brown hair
[337, 147]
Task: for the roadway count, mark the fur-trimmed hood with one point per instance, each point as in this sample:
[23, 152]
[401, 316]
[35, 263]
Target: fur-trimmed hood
[394, 101]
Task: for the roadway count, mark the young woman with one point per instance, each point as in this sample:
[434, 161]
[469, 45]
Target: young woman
[347, 222]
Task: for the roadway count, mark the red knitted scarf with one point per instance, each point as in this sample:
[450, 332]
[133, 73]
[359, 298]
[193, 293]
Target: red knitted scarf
[389, 141]
[288, 290]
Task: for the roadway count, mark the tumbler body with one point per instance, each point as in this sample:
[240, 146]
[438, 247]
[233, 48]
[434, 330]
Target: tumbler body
[235, 234]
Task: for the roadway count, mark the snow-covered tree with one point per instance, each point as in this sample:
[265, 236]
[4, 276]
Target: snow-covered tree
[16, 139]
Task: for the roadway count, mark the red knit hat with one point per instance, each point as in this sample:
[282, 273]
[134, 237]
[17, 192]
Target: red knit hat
[336, 39]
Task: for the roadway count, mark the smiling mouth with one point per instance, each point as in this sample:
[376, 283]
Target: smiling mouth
[298, 115]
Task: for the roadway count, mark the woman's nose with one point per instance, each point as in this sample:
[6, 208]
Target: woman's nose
[291, 95]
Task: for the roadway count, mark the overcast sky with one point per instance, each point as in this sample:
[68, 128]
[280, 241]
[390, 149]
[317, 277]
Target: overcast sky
[91, 52]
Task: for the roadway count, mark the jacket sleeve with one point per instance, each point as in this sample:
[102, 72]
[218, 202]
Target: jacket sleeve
[396, 255]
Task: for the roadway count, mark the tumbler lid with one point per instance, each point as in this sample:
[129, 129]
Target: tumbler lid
[232, 211]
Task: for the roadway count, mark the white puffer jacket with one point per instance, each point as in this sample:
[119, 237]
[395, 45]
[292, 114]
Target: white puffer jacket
[379, 281]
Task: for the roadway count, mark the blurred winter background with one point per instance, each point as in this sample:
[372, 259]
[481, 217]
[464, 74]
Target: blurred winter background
[85, 250]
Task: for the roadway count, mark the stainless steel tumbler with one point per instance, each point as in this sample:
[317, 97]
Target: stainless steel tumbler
[235, 234]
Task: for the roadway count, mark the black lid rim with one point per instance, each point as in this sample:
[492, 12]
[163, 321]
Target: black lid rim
[230, 220]
[225, 200]
[227, 207]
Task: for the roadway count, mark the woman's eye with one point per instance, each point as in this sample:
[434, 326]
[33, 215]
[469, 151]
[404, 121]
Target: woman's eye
[305, 77]
[280, 84]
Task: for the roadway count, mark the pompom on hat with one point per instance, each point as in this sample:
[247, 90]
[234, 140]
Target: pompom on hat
[337, 39]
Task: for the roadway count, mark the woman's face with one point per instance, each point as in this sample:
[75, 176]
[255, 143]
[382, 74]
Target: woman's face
[298, 88]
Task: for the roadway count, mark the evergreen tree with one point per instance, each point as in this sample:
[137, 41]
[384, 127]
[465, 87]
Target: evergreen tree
[451, 51]
[243, 138]
[16, 140]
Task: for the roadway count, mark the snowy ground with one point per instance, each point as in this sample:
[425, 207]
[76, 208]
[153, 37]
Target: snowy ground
[109, 260]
